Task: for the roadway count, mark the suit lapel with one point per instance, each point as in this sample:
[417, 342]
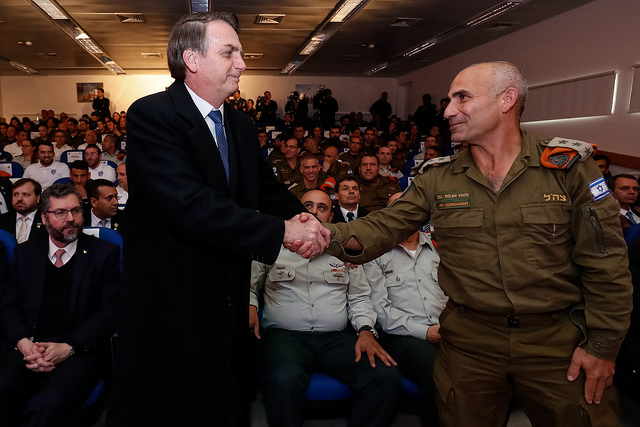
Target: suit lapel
[39, 266]
[79, 267]
[233, 131]
[199, 136]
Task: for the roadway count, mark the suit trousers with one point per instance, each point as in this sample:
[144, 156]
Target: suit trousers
[481, 367]
[415, 359]
[59, 394]
[289, 358]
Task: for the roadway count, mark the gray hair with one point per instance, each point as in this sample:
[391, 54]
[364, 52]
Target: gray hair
[57, 191]
[506, 75]
[190, 32]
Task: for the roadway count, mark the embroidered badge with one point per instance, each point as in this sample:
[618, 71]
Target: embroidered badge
[554, 198]
[453, 200]
[100, 173]
[599, 188]
[53, 171]
[559, 159]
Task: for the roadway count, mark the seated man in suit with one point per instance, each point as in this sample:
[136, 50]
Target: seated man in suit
[408, 302]
[26, 220]
[97, 169]
[348, 197]
[103, 198]
[305, 325]
[57, 313]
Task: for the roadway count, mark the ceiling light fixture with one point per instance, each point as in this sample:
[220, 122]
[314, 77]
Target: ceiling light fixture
[420, 48]
[51, 8]
[86, 42]
[291, 67]
[346, 9]
[24, 68]
[493, 12]
[312, 46]
[377, 68]
[199, 6]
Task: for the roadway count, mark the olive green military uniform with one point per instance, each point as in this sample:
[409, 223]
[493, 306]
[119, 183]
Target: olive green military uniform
[350, 163]
[375, 196]
[532, 272]
[276, 156]
[285, 173]
[299, 189]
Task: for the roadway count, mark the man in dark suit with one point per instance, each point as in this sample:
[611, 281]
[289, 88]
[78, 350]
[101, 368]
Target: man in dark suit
[55, 352]
[24, 220]
[348, 206]
[5, 194]
[202, 203]
[103, 199]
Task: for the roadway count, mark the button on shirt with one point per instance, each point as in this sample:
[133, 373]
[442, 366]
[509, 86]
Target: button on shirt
[404, 289]
[69, 251]
[311, 295]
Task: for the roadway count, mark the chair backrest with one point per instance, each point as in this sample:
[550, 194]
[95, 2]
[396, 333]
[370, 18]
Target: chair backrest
[6, 156]
[71, 156]
[10, 244]
[12, 168]
[63, 180]
[106, 234]
[114, 165]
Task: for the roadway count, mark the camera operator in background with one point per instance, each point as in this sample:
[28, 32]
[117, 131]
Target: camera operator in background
[298, 106]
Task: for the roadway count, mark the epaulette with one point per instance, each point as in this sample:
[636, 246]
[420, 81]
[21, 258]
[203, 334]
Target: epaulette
[435, 162]
[295, 184]
[564, 153]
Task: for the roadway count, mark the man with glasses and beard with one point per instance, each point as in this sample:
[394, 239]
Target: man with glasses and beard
[53, 352]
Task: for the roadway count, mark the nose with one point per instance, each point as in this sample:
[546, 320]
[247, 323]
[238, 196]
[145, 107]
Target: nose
[450, 111]
[240, 65]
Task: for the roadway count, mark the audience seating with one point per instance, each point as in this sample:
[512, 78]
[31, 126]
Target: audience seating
[70, 156]
[12, 168]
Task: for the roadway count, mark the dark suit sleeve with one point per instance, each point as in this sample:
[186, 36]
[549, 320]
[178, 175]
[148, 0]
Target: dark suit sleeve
[175, 170]
[101, 305]
[14, 325]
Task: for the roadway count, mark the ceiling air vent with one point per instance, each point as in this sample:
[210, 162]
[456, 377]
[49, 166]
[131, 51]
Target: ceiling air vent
[151, 55]
[350, 57]
[251, 56]
[47, 55]
[405, 22]
[131, 18]
[265, 18]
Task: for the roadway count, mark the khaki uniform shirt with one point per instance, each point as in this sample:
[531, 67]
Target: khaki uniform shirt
[547, 241]
[375, 196]
[349, 162]
[285, 173]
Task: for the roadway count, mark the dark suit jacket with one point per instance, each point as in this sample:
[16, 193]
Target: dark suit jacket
[117, 222]
[188, 246]
[96, 279]
[338, 217]
[6, 189]
[8, 223]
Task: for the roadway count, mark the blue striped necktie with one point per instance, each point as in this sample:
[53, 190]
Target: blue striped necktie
[223, 147]
[631, 218]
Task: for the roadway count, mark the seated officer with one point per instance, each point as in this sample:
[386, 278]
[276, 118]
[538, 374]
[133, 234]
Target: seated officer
[408, 302]
[307, 307]
[312, 177]
[375, 189]
[103, 198]
[58, 311]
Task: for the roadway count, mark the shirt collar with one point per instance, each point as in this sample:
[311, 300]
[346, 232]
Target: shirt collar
[70, 250]
[31, 215]
[95, 220]
[203, 106]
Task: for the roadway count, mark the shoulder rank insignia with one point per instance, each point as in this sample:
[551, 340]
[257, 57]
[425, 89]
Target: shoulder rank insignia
[434, 162]
[564, 153]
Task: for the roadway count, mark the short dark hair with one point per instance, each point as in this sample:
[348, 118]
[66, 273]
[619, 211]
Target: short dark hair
[57, 191]
[602, 157]
[346, 178]
[614, 179]
[37, 188]
[80, 165]
[308, 156]
[93, 186]
[93, 146]
[190, 32]
[47, 143]
[72, 120]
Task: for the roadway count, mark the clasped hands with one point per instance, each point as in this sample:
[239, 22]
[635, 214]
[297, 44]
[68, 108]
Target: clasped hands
[305, 235]
[43, 356]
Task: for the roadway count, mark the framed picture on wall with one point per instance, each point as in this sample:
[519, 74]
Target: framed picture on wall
[87, 91]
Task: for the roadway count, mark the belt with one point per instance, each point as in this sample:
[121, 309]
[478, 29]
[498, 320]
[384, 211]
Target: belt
[510, 320]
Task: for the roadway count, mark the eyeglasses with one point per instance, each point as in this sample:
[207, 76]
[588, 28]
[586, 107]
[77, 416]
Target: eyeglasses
[62, 213]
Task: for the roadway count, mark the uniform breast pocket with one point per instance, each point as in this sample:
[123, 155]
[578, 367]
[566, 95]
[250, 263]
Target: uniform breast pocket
[460, 236]
[546, 231]
[338, 281]
[281, 283]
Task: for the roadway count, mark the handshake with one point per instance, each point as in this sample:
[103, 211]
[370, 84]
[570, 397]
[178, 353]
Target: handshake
[305, 235]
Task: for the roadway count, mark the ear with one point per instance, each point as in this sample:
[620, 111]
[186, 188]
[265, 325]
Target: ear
[190, 58]
[43, 217]
[509, 99]
[93, 201]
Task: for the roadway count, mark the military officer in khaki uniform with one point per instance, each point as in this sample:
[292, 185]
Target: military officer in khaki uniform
[375, 189]
[350, 161]
[312, 177]
[288, 170]
[532, 259]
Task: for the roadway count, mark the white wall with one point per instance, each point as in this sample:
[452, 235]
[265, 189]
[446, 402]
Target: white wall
[26, 96]
[598, 37]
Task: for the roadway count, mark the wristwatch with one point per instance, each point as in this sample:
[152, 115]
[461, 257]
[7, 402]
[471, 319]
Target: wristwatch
[71, 351]
[370, 329]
